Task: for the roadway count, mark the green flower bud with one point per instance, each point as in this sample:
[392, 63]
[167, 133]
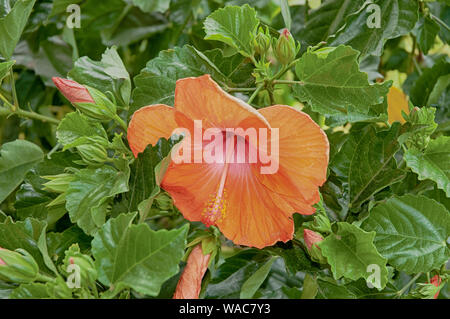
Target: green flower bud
[74, 259]
[261, 42]
[93, 154]
[311, 240]
[421, 125]
[17, 266]
[164, 202]
[285, 48]
[58, 183]
[103, 109]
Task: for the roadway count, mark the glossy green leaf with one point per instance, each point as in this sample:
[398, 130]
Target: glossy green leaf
[89, 195]
[107, 75]
[235, 26]
[426, 31]
[424, 85]
[134, 256]
[16, 159]
[351, 252]
[366, 163]
[227, 281]
[5, 67]
[326, 20]
[152, 5]
[368, 29]
[411, 232]
[29, 235]
[332, 83]
[12, 24]
[76, 125]
[433, 163]
[156, 82]
[252, 284]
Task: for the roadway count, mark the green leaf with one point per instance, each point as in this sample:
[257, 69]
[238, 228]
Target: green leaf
[237, 68]
[227, 281]
[426, 31]
[16, 159]
[310, 287]
[30, 291]
[156, 82]
[361, 31]
[12, 24]
[366, 163]
[432, 164]
[89, 195]
[107, 75]
[326, 20]
[235, 26]
[332, 83]
[134, 256]
[5, 67]
[76, 125]
[142, 177]
[411, 232]
[350, 252]
[424, 85]
[252, 284]
[150, 6]
[60, 6]
[29, 235]
[286, 13]
[330, 290]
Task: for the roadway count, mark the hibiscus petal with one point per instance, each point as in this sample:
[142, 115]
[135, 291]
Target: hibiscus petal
[255, 215]
[149, 124]
[203, 99]
[190, 282]
[303, 155]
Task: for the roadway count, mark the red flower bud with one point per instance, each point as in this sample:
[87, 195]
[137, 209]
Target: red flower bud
[73, 91]
[311, 238]
[436, 281]
[190, 282]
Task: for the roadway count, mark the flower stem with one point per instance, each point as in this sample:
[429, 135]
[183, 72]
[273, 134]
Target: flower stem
[442, 23]
[412, 281]
[29, 115]
[288, 82]
[121, 122]
[258, 89]
[13, 89]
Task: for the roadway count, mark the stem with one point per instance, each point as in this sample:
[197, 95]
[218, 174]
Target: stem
[412, 281]
[258, 89]
[442, 23]
[121, 122]
[288, 82]
[13, 89]
[229, 90]
[29, 115]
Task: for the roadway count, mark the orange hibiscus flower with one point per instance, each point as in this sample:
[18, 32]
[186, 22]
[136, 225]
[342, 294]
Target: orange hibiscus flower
[249, 207]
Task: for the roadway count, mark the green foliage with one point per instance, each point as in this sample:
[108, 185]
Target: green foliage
[72, 193]
[347, 92]
[350, 252]
[411, 232]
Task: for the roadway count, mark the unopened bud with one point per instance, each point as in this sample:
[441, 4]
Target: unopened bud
[58, 183]
[17, 266]
[101, 108]
[436, 281]
[261, 42]
[311, 240]
[93, 154]
[73, 91]
[285, 48]
[88, 273]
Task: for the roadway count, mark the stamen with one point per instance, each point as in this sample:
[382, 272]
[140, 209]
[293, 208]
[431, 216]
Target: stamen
[216, 207]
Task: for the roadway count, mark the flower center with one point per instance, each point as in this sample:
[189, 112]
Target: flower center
[216, 207]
